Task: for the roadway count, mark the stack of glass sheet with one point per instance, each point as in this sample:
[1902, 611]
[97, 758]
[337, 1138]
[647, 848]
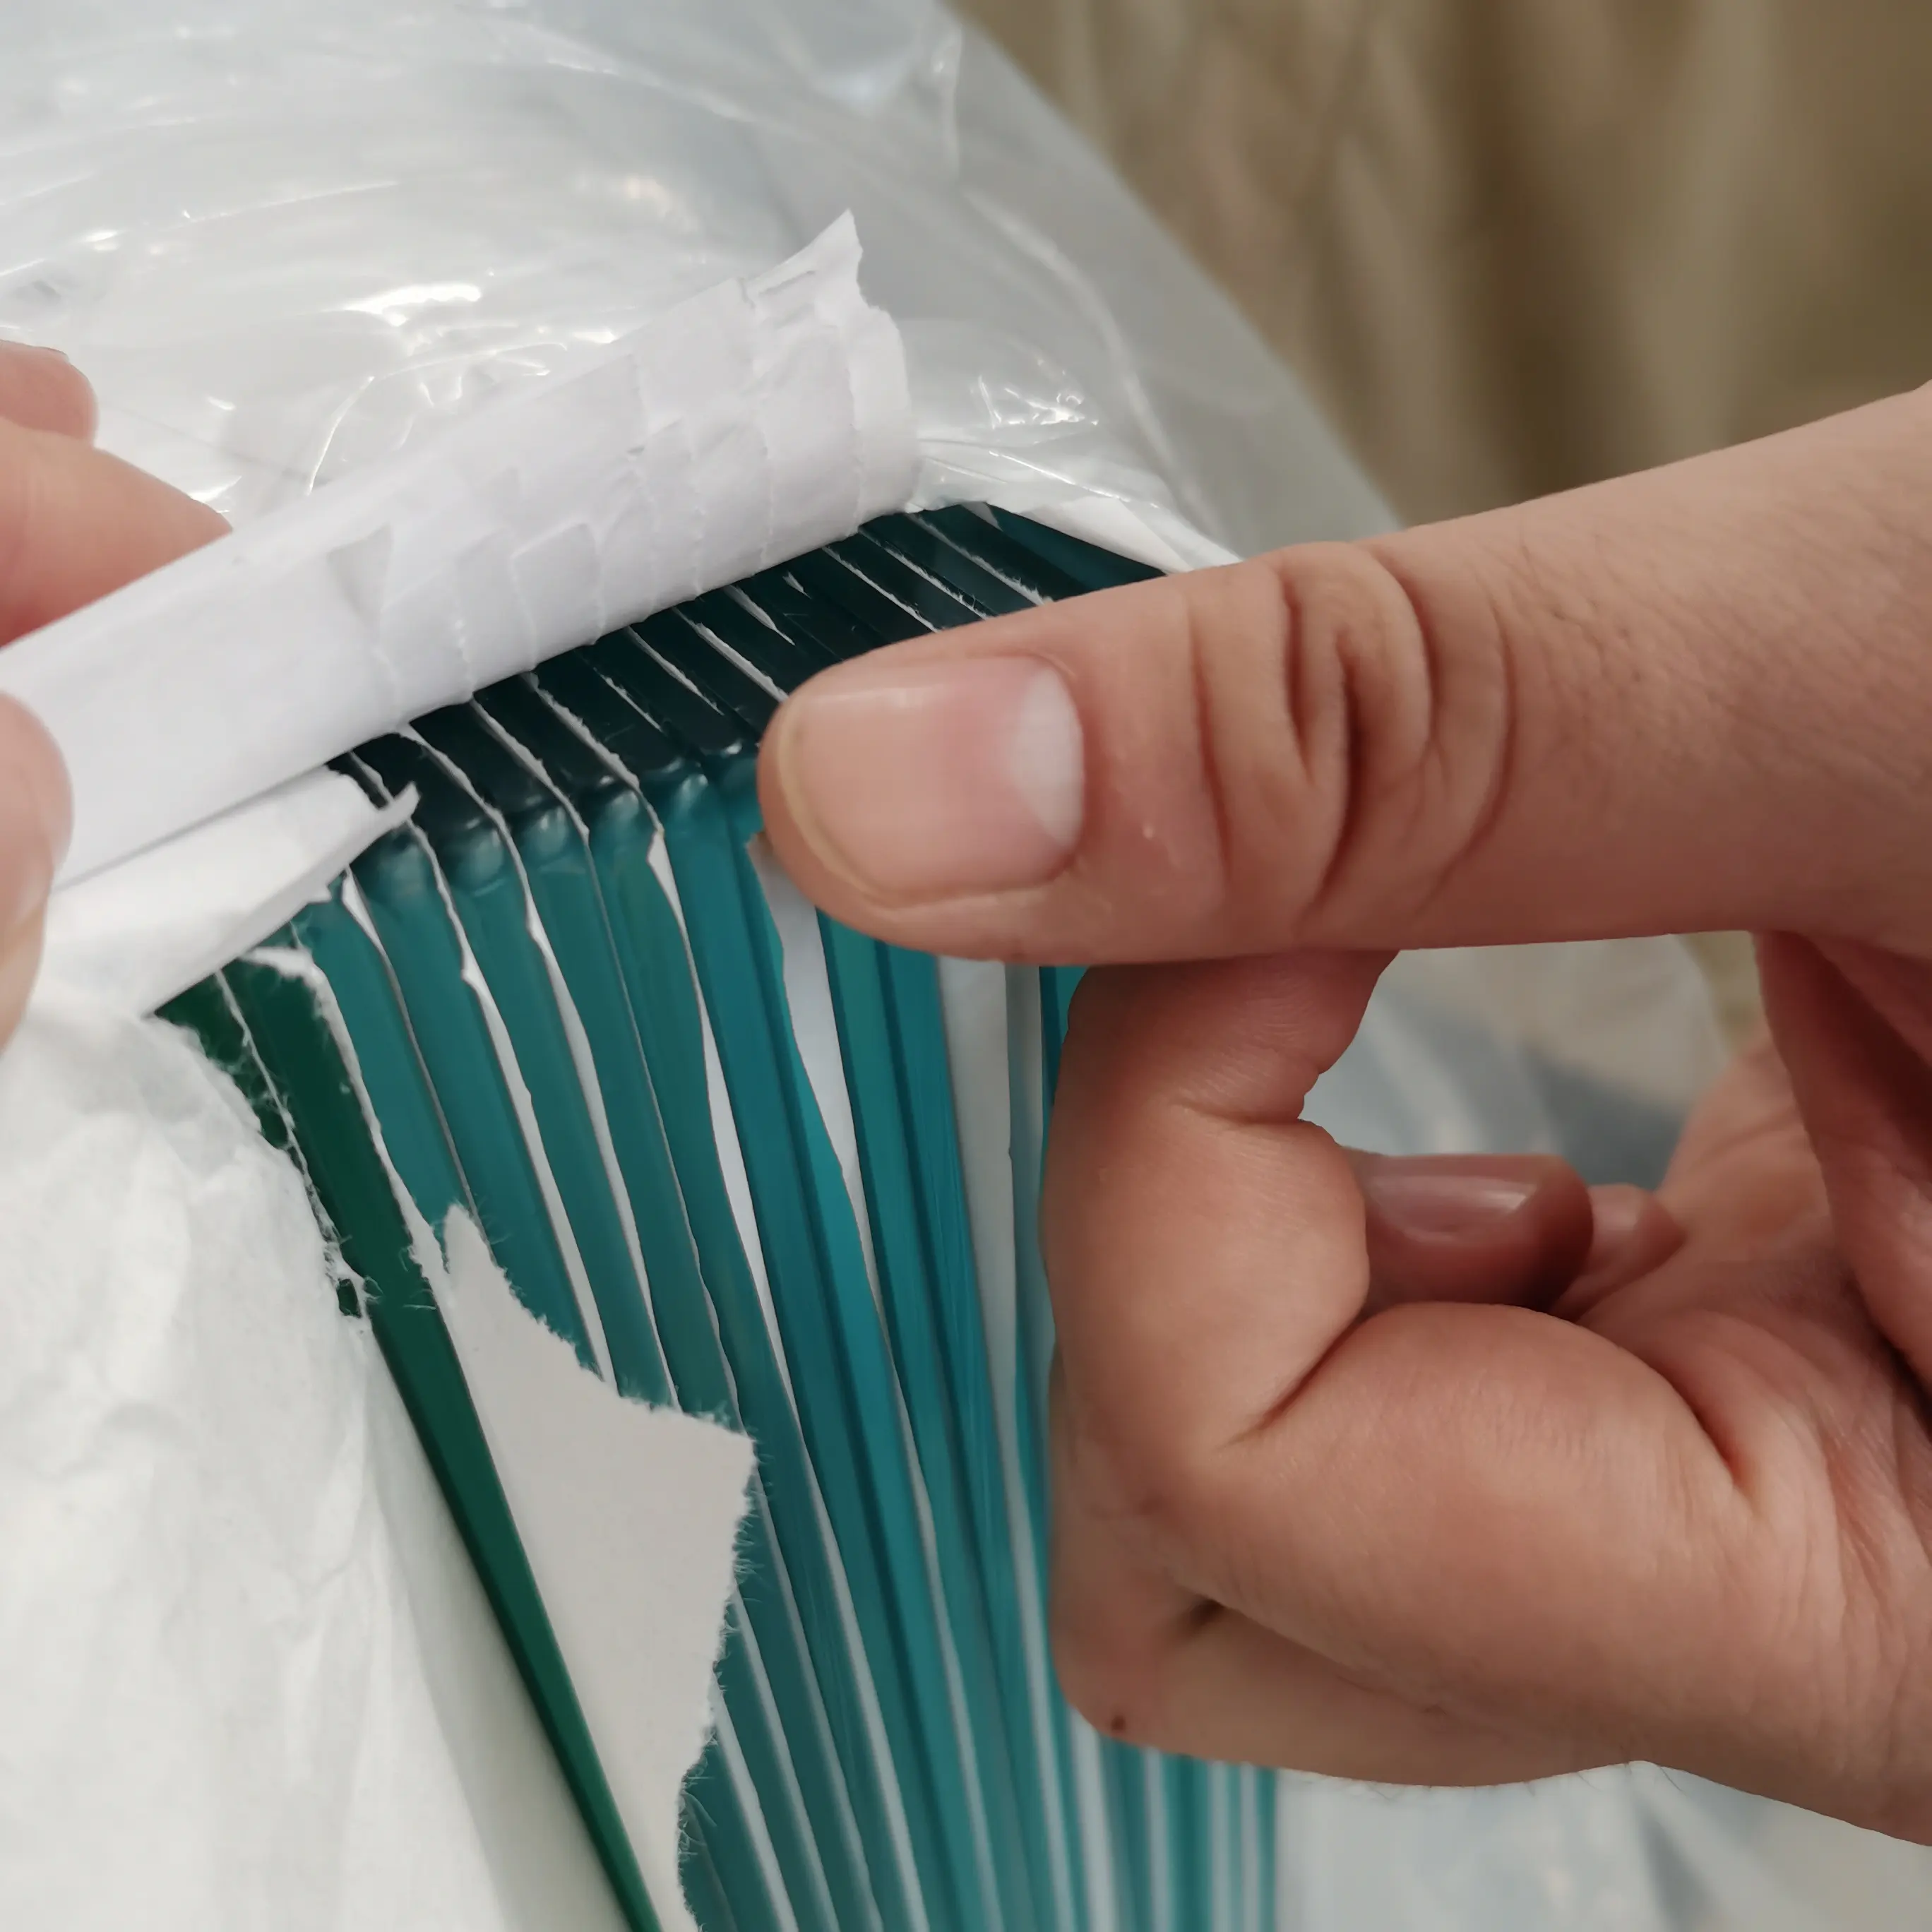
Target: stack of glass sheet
[750, 1163]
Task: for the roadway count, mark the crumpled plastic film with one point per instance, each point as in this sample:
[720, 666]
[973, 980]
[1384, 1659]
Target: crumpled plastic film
[286, 238]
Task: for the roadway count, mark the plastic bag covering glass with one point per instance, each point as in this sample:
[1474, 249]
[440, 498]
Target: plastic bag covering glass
[286, 238]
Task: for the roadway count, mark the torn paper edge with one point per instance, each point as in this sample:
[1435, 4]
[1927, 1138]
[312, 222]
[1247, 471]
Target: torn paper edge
[763, 418]
[137, 934]
[514, 1366]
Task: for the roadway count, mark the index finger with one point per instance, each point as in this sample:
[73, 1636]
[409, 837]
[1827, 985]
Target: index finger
[76, 523]
[40, 388]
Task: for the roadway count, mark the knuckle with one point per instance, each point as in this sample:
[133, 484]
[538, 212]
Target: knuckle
[1115, 1632]
[1110, 1656]
[1353, 739]
[1128, 1472]
[1090, 1678]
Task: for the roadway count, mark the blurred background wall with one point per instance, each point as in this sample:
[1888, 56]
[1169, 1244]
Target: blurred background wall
[1517, 245]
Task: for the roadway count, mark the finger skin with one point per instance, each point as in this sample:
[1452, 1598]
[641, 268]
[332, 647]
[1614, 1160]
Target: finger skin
[1557, 1543]
[1623, 710]
[39, 389]
[1120, 1622]
[35, 818]
[76, 523]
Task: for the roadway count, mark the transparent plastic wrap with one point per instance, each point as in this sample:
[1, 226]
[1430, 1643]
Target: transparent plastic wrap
[285, 238]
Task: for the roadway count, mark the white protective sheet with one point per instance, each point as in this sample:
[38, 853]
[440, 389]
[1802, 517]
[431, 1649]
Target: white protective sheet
[216, 1711]
[133, 935]
[630, 1516]
[750, 422]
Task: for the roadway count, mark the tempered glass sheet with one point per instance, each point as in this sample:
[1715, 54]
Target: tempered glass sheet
[569, 1009]
[266, 1030]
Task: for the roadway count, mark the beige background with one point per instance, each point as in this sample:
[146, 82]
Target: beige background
[1514, 245]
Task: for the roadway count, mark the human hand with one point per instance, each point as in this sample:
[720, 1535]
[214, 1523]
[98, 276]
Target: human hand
[1450, 1472]
[74, 524]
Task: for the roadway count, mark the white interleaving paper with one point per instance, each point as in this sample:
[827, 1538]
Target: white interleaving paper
[753, 422]
[630, 1516]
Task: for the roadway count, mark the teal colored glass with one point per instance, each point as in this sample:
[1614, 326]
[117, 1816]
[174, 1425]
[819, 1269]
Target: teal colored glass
[652, 948]
[562, 799]
[839, 1370]
[488, 891]
[399, 882]
[886, 1003]
[873, 598]
[710, 814]
[264, 1028]
[410, 1119]
[485, 887]
[548, 806]
[892, 1039]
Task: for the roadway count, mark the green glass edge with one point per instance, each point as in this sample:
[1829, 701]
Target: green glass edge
[262, 1028]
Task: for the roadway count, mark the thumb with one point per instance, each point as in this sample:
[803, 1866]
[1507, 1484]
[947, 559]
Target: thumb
[35, 819]
[1696, 698]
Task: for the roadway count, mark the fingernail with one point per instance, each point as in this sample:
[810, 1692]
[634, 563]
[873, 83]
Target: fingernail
[1430, 1204]
[929, 781]
[1617, 1213]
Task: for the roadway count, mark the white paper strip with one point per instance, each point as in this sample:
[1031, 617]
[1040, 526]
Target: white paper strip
[755, 421]
[630, 1517]
[135, 935]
